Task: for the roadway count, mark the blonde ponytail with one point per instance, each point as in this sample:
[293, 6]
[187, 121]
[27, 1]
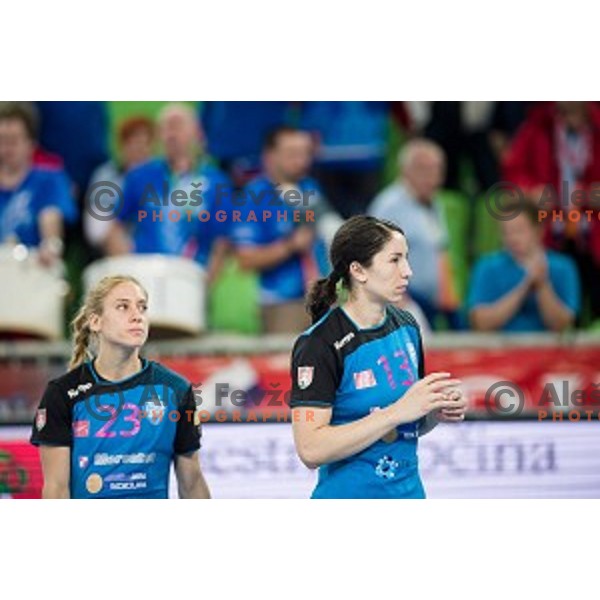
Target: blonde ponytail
[81, 338]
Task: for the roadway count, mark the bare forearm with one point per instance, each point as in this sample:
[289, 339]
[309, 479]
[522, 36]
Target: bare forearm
[330, 443]
[51, 245]
[51, 224]
[194, 490]
[494, 316]
[555, 315]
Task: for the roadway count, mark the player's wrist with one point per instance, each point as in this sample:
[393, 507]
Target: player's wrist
[394, 415]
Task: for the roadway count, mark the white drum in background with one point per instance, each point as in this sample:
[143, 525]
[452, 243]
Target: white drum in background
[176, 289]
[33, 296]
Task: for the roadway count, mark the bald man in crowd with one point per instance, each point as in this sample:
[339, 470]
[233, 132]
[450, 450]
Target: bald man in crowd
[148, 221]
[411, 202]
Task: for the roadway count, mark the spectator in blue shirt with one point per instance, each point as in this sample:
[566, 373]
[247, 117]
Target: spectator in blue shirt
[524, 287]
[287, 252]
[35, 201]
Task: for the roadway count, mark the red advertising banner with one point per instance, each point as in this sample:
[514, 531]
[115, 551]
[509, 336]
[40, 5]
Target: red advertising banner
[550, 379]
[530, 380]
[20, 470]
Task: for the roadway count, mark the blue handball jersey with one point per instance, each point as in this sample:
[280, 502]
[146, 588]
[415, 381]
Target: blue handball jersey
[354, 371]
[123, 435]
[20, 207]
[172, 205]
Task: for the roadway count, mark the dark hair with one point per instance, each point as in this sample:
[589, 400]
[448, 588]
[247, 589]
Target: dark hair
[273, 135]
[133, 125]
[24, 112]
[359, 239]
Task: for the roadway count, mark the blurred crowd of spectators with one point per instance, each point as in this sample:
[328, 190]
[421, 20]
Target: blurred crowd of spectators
[329, 157]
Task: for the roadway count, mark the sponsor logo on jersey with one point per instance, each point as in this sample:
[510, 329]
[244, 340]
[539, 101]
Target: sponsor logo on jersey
[83, 387]
[341, 343]
[81, 429]
[412, 355]
[126, 481]
[154, 410]
[386, 467]
[305, 376]
[102, 459]
[136, 476]
[94, 483]
[84, 461]
[40, 419]
[364, 379]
